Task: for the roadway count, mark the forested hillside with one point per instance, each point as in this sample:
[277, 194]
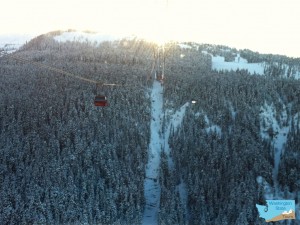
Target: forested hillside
[64, 161]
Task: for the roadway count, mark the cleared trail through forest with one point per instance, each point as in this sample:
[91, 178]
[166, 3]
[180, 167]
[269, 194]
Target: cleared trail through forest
[151, 183]
[158, 143]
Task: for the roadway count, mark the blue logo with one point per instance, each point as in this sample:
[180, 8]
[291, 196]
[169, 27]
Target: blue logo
[276, 210]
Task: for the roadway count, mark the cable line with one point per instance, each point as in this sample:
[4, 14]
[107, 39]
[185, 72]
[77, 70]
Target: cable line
[100, 100]
[51, 68]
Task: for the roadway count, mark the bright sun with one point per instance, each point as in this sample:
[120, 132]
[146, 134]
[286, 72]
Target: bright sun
[157, 27]
[158, 21]
[152, 20]
[161, 21]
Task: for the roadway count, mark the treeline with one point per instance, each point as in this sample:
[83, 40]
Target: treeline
[278, 66]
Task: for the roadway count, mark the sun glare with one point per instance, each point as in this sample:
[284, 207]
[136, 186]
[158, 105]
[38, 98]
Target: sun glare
[157, 21]
[165, 20]
[153, 22]
[241, 24]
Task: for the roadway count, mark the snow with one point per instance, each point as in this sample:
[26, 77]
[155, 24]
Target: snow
[183, 194]
[12, 42]
[212, 128]
[218, 63]
[232, 111]
[175, 122]
[259, 179]
[209, 126]
[159, 142]
[297, 120]
[183, 191]
[267, 120]
[184, 46]
[151, 183]
[279, 142]
[197, 114]
[295, 74]
[268, 123]
[84, 37]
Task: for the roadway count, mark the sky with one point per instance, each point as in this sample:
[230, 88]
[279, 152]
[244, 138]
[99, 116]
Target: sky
[266, 26]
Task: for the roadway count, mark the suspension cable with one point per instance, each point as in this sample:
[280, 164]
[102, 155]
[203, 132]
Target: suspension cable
[63, 72]
[51, 68]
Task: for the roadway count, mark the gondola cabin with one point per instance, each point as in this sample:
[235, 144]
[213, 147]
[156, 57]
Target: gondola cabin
[101, 101]
[160, 76]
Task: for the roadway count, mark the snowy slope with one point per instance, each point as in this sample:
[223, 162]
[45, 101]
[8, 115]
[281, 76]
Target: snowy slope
[218, 63]
[78, 36]
[270, 126]
[239, 63]
[209, 126]
[13, 42]
[151, 183]
[184, 46]
[158, 143]
[175, 122]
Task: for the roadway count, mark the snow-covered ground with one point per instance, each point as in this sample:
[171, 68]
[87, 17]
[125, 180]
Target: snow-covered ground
[158, 143]
[212, 127]
[183, 194]
[232, 111]
[270, 125]
[151, 184]
[295, 72]
[218, 63]
[12, 42]
[184, 46]
[94, 38]
[174, 123]
[209, 126]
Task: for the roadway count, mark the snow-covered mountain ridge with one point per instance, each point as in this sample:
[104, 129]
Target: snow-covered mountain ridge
[223, 58]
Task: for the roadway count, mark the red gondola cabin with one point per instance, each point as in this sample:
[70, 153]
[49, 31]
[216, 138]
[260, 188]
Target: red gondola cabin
[100, 101]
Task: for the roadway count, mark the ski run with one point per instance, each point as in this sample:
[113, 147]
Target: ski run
[268, 121]
[158, 143]
[281, 129]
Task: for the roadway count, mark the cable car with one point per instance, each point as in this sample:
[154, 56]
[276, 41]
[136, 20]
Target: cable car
[100, 100]
[159, 76]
